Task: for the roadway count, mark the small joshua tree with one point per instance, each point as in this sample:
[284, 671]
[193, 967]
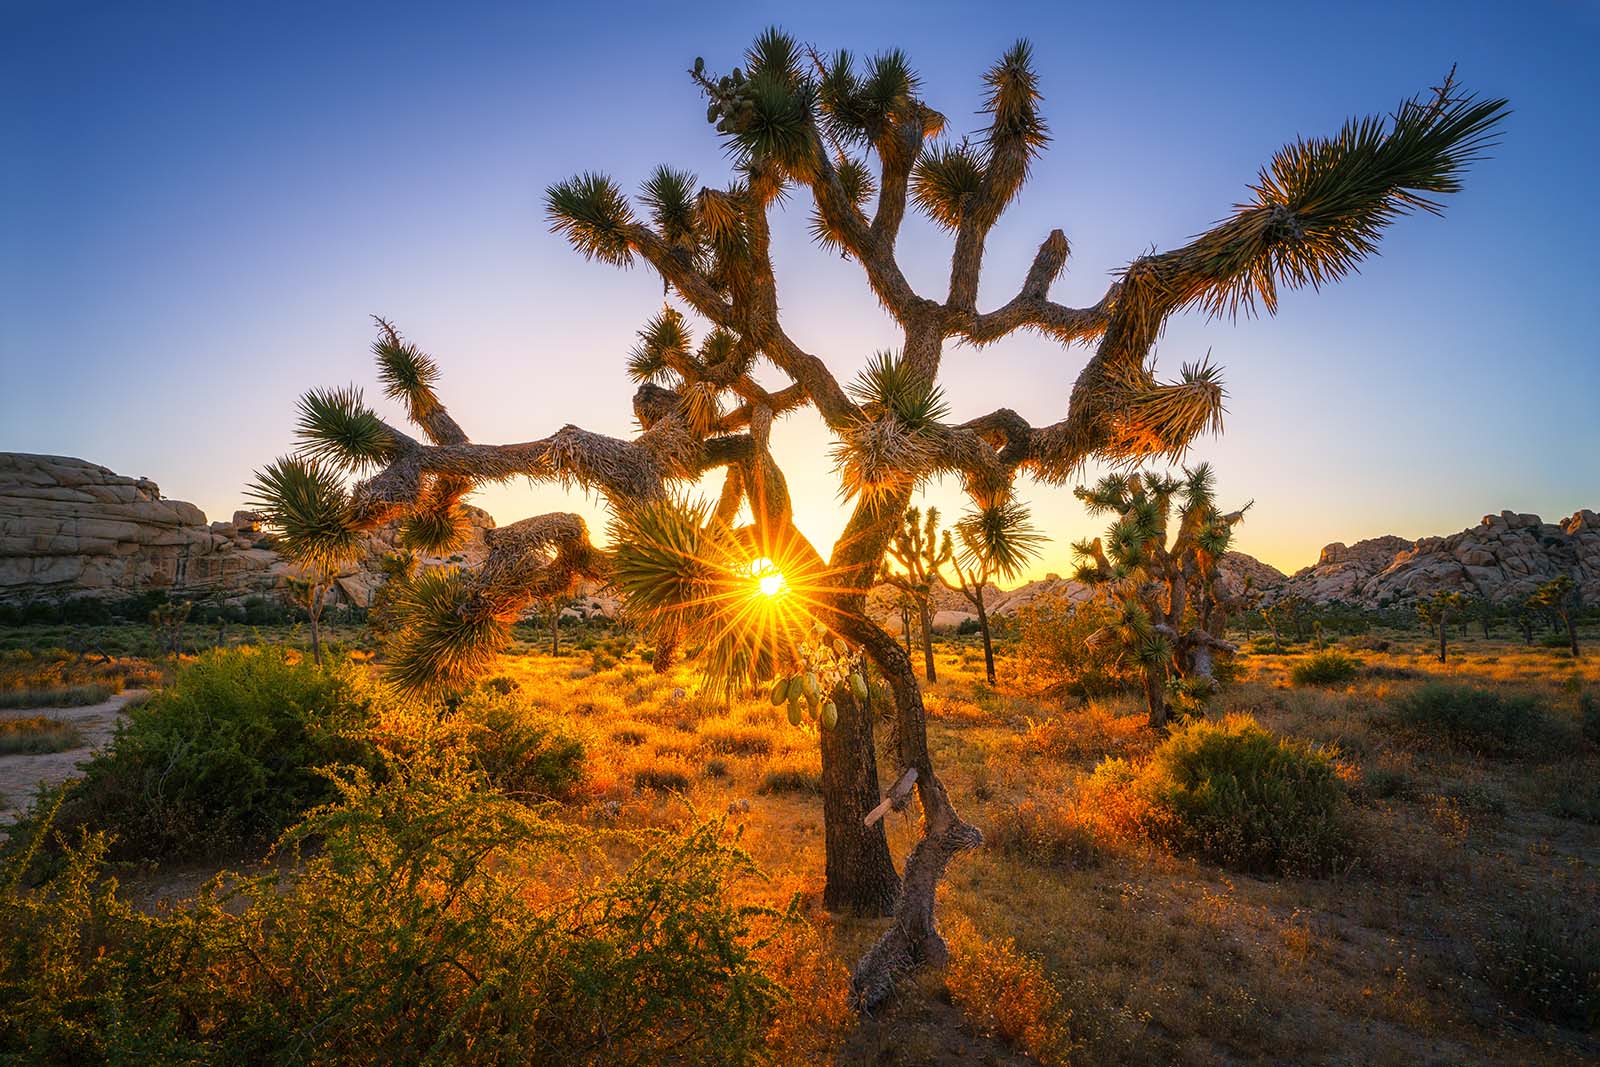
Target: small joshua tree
[311, 589]
[1559, 597]
[1435, 613]
[997, 541]
[1158, 564]
[859, 141]
[921, 549]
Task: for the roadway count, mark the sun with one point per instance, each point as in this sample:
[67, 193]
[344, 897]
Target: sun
[769, 579]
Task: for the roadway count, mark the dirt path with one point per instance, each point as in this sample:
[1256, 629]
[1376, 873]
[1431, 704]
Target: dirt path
[20, 775]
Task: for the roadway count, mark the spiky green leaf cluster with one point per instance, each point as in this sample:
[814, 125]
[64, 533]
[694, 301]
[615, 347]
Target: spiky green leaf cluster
[890, 385]
[999, 539]
[664, 341]
[861, 107]
[891, 446]
[858, 185]
[593, 215]
[303, 500]
[439, 641]
[407, 373]
[336, 426]
[671, 197]
[946, 180]
[436, 531]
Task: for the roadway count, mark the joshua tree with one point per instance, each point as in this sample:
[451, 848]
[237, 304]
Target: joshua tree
[996, 541]
[1436, 612]
[922, 550]
[166, 623]
[861, 144]
[1162, 577]
[311, 588]
[1559, 596]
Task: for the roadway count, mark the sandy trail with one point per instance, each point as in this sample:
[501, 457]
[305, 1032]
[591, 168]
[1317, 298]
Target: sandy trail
[20, 775]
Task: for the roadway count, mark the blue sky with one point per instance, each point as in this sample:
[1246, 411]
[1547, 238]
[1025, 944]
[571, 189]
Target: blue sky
[202, 203]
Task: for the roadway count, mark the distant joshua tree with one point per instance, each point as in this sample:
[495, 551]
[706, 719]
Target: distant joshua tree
[997, 541]
[922, 550]
[1559, 597]
[1161, 571]
[1436, 612]
[857, 140]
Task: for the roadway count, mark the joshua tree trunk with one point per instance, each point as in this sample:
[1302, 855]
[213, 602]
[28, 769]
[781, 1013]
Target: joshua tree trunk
[861, 878]
[905, 628]
[555, 630]
[314, 617]
[1444, 636]
[983, 628]
[913, 937]
[926, 621]
[1572, 633]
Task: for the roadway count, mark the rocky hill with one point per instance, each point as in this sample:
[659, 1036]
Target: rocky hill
[1503, 558]
[70, 528]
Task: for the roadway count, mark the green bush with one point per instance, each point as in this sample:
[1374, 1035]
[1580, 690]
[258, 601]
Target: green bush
[1477, 719]
[226, 757]
[1054, 633]
[1326, 668]
[1237, 795]
[522, 751]
[435, 922]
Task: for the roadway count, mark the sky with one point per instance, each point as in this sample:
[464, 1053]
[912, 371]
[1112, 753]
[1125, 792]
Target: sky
[202, 204]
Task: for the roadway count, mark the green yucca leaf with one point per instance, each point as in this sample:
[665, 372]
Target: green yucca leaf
[303, 499]
[999, 539]
[774, 53]
[774, 122]
[336, 426]
[593, 215]
[435, 531]
[664, 340]
[1013, 101]
[946, 179]
[888, 382]
[670, 562]
[407, 373]
[670, 196]
[439, 642]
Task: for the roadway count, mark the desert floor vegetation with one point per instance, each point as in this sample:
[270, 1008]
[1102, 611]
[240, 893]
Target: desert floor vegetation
[1396, 866]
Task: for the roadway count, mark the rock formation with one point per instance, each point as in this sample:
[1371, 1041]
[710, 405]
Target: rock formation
[1502, 559]
[70, 528]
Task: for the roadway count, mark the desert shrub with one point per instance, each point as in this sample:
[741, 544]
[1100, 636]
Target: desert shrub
[1326, 668]
[1481, 720]
[37, 734]
[1571, 790]
[71, 696]
[1046, 833]
[521, 750]
[737, 740]
[1233, 793]
[669, 775]
[227, 756]
[1545, 963]
[791, 775]
[968, 627]
[435, 922]
[1007, 993]
[1053, 634]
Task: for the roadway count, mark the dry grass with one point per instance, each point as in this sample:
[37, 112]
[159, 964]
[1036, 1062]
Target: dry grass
[1075, 940]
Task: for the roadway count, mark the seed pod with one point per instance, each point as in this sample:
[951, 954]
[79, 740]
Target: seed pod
[809, 685]
[858, 685]
[780, 691]
[819, 630]
[830, 715]
[797, 688]
[840, 647]
[794, 712]
[813, 705]
[699, 64]
[711, 113]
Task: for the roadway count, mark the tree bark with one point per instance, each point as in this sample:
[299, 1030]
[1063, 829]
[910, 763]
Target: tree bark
[988, 644]
[861, 878]
[927, 641]
[1572, 633]
[913, 938]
